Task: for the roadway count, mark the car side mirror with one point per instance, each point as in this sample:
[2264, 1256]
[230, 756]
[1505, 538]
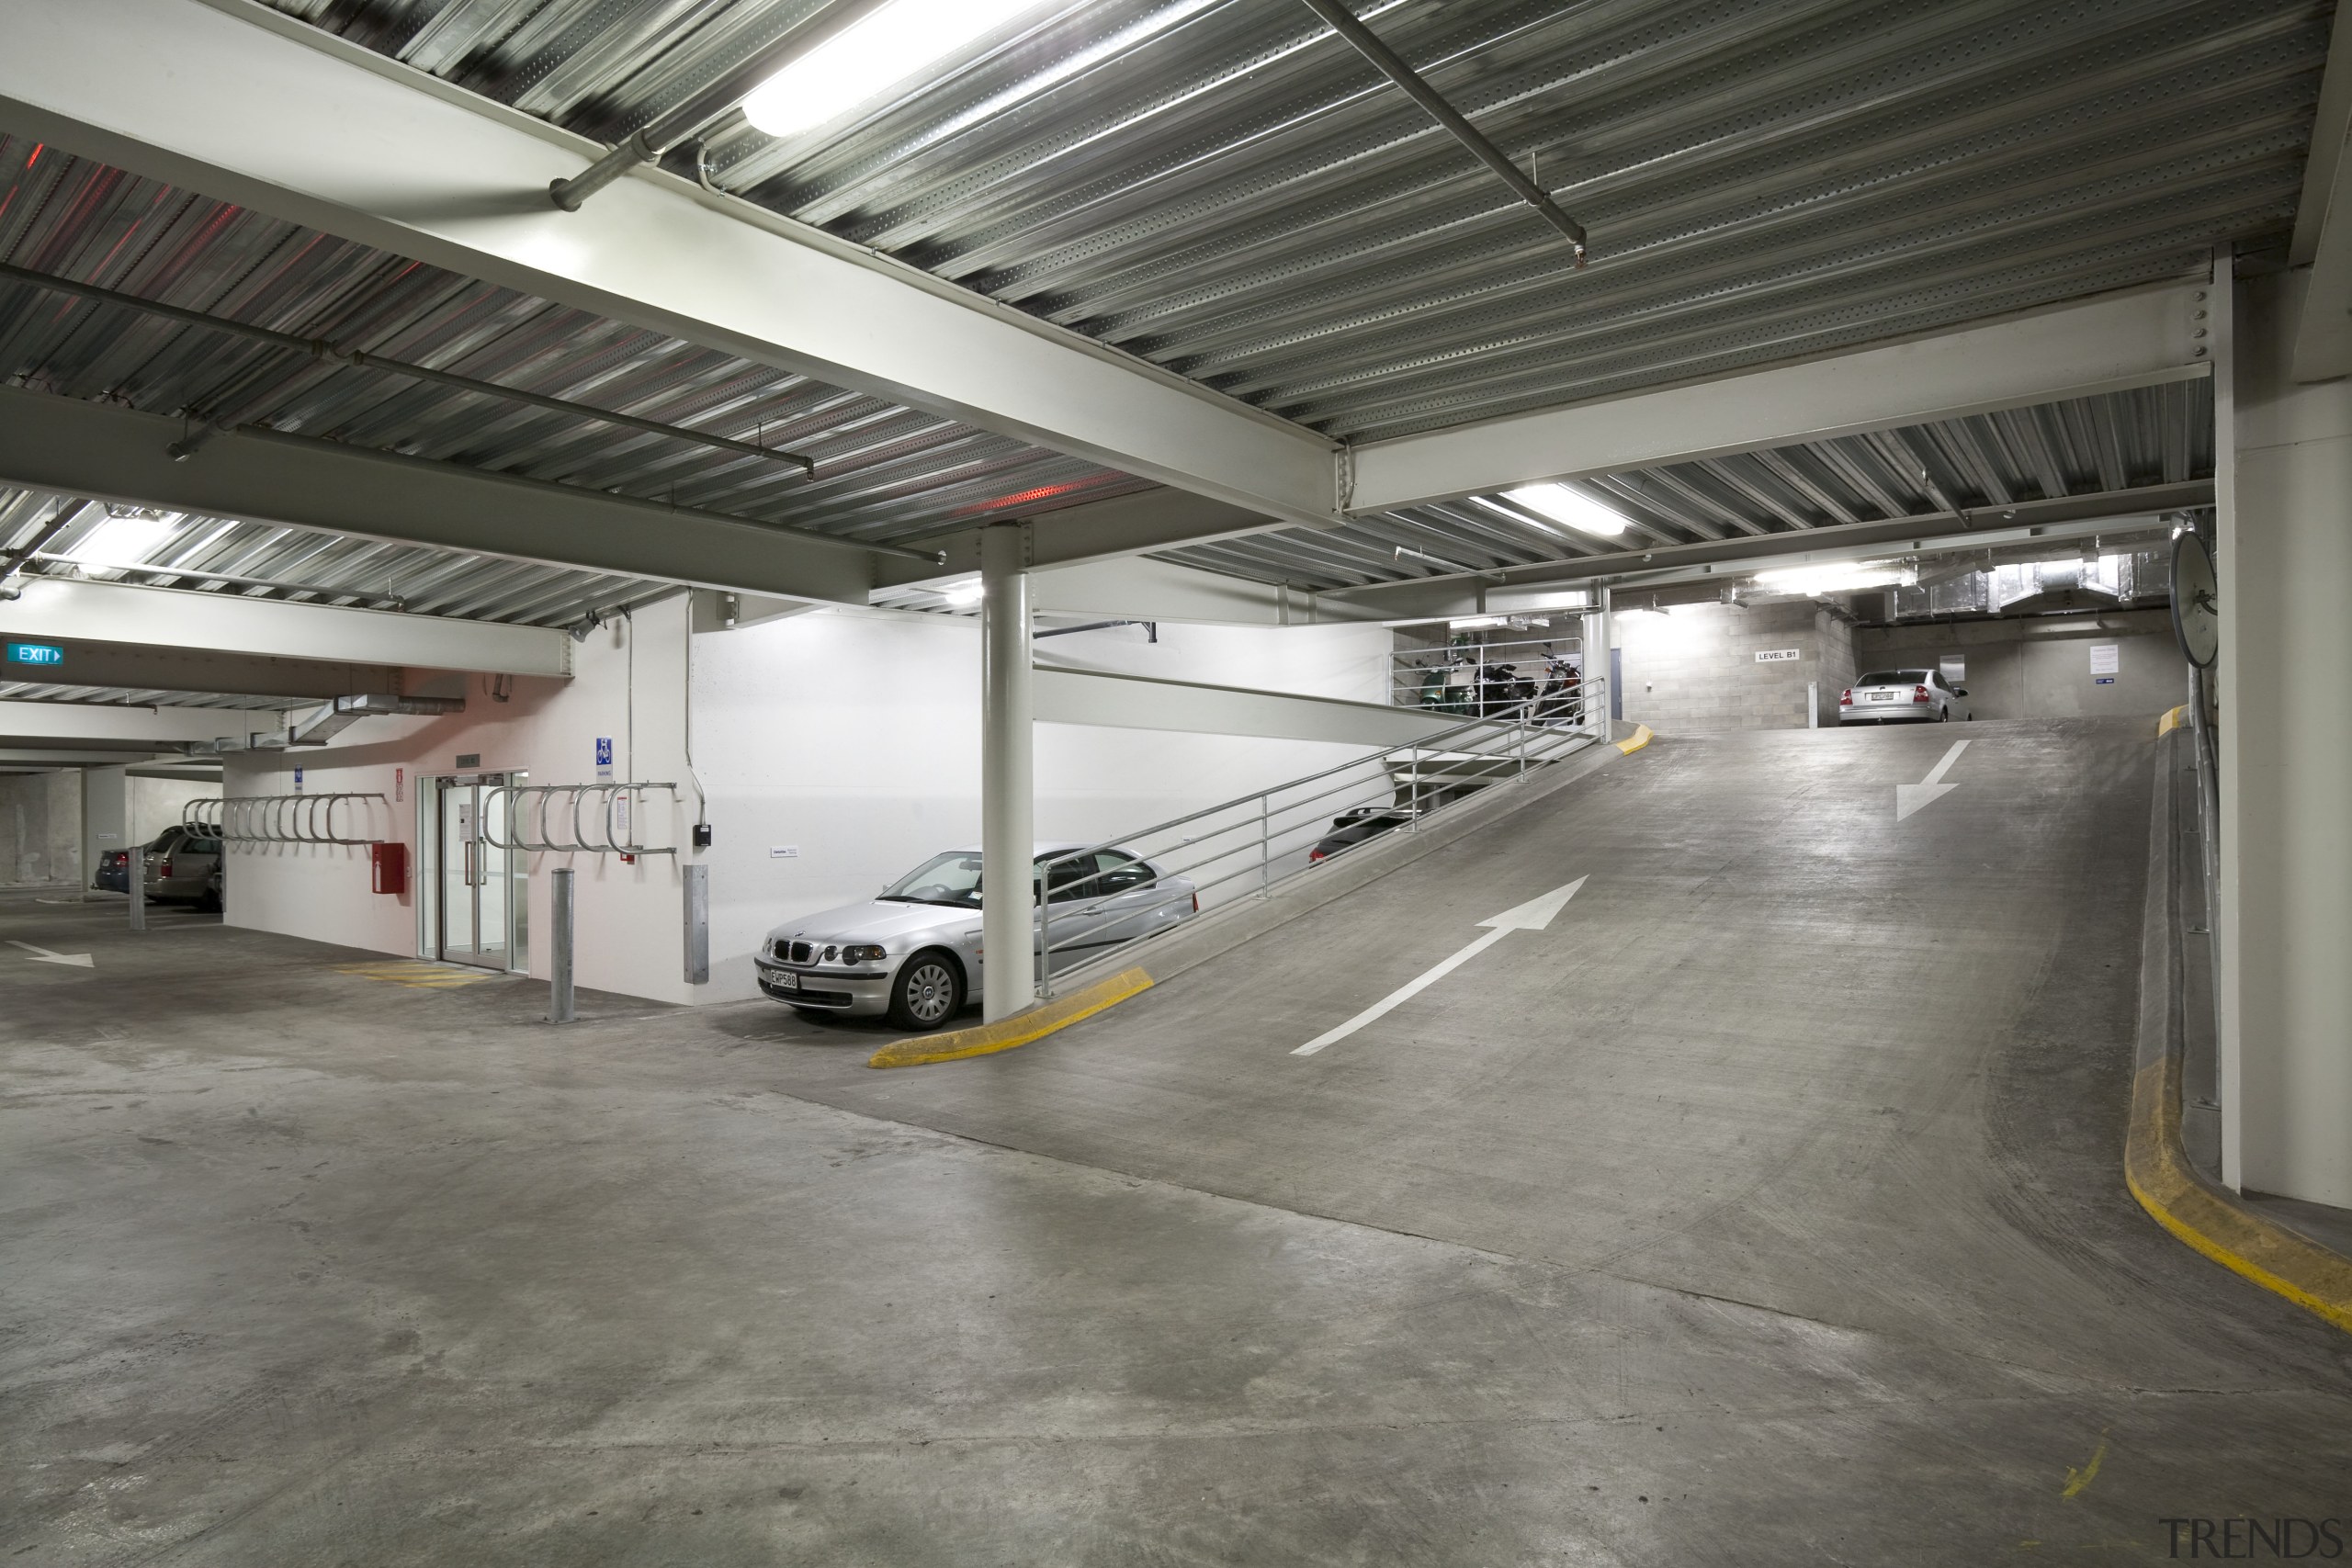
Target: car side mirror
[1960, 690]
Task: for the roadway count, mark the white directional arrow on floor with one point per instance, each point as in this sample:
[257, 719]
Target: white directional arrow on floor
[44, 955]
[1532, 915]
[1910, 797]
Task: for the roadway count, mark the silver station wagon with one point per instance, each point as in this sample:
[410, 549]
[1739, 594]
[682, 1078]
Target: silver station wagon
[1903, 696]
[913, 951]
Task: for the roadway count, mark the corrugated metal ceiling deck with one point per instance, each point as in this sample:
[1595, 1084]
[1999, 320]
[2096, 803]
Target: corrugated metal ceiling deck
[312, 566]
[1224, 187]
[882, 470]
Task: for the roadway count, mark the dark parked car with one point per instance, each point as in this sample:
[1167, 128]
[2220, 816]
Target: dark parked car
[1351, 828]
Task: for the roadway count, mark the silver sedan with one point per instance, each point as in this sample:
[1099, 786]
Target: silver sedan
[913, 952]
[1903, 696]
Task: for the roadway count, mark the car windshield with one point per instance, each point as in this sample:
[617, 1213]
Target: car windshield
[1895, 678]
[953, 879]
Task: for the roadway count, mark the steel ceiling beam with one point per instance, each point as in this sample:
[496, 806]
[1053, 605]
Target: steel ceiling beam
[107, 724]
[2322, 349]
[191, 668]
[69, 448]
[1099, 530]
[238, 102]
[140, 638]
[2106, 344]
[1456, 593]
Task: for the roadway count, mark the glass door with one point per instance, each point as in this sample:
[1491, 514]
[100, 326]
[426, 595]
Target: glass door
[475, 884]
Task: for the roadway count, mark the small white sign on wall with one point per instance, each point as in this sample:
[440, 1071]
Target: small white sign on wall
[2106, 658]
[783, 852]
[1779, 655]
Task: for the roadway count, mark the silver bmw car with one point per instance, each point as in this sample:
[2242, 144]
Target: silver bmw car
[913, 952]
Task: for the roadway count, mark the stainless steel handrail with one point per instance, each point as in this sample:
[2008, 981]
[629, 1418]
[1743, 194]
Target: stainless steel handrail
[1269, 826]
[1409, 668]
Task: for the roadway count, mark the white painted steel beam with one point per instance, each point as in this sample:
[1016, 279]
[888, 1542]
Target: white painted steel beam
[1143, 590]
[2322, 238]
[85, 754]
[1097, 531]
[119, 615]
[230, 99]
[1459, 593]
[1144, 702]
[64, 723]
[72, 447]
[2107, 345]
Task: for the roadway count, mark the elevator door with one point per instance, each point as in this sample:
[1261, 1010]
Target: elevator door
[476, 902]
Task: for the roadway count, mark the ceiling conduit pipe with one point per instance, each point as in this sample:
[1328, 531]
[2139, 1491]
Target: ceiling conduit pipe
[650, 141]
[1367, 43]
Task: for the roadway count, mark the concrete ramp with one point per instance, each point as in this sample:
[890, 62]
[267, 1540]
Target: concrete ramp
[1835, 1024]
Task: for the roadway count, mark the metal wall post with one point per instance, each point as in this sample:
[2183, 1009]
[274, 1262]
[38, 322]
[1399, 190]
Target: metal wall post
[697, 912]
[1265, 851]
[559, 1009]
[137, 882]
[1813, 705]
[1007, 807]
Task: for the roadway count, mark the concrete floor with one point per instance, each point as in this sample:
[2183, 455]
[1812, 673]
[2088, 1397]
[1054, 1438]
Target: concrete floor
[1767, 1208]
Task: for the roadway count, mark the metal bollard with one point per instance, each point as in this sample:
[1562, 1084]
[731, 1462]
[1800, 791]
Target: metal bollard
[136, 879]
[559, 1009]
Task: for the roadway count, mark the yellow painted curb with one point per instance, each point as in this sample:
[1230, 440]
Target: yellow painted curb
[917, 1050]
[2173, 719]
[2206, 1217]
[1635, 741]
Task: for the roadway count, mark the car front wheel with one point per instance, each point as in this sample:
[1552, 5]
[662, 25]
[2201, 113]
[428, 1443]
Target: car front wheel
[928, 992]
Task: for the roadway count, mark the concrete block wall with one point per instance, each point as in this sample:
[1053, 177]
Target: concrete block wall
[2041, 668]
[1692, 668]
[40, 829]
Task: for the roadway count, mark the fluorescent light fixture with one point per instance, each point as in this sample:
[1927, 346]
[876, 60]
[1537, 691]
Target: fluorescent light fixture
[1834, 577]
[1572, 507]
[1477, 623]
[863, 60]
[964, 595]
[126, 538]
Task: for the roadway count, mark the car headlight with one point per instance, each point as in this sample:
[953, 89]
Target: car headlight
[863, 954]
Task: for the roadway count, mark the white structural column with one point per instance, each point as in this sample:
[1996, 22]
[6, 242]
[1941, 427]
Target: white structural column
[1007, 794]
[2285, 501]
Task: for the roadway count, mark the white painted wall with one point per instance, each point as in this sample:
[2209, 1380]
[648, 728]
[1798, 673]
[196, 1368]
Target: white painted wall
[850, 736]
[2285, 494]
[853, 736]
[629, 686]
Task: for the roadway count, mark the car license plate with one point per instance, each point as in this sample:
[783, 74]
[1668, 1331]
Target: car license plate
[788, 982]
[1882, 696]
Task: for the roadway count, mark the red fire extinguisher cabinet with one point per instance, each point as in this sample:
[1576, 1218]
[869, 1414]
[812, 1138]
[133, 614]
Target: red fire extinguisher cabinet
[390, 862]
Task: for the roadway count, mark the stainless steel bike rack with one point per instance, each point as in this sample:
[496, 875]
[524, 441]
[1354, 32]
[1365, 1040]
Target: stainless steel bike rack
[528, 805]
[275, 818]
